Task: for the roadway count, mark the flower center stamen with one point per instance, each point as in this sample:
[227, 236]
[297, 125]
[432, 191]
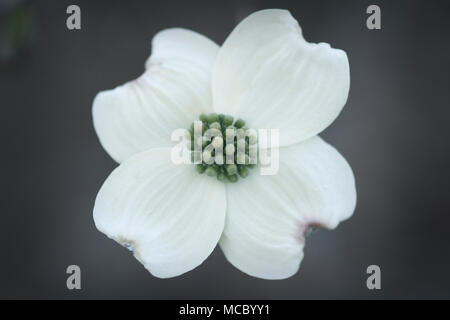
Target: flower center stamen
[222, 147]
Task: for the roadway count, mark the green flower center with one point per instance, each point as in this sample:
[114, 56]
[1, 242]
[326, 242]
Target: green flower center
[222, 147]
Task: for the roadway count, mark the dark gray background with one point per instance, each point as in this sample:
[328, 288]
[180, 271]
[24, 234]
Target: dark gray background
[393, 132]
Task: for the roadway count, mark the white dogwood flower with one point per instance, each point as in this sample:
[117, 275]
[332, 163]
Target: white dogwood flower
[265, 73]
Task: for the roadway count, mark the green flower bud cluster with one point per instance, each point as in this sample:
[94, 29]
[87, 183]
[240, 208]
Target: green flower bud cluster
[222, 147]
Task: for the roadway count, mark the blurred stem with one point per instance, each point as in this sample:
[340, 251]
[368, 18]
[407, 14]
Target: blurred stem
[15, 32]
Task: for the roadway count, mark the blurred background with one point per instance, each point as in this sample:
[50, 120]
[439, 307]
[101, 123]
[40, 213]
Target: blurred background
[393, 131]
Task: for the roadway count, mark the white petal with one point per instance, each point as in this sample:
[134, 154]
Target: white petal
[267, 74]
[267, 216]
[170, 216]
[175, 90]
[182, 44]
